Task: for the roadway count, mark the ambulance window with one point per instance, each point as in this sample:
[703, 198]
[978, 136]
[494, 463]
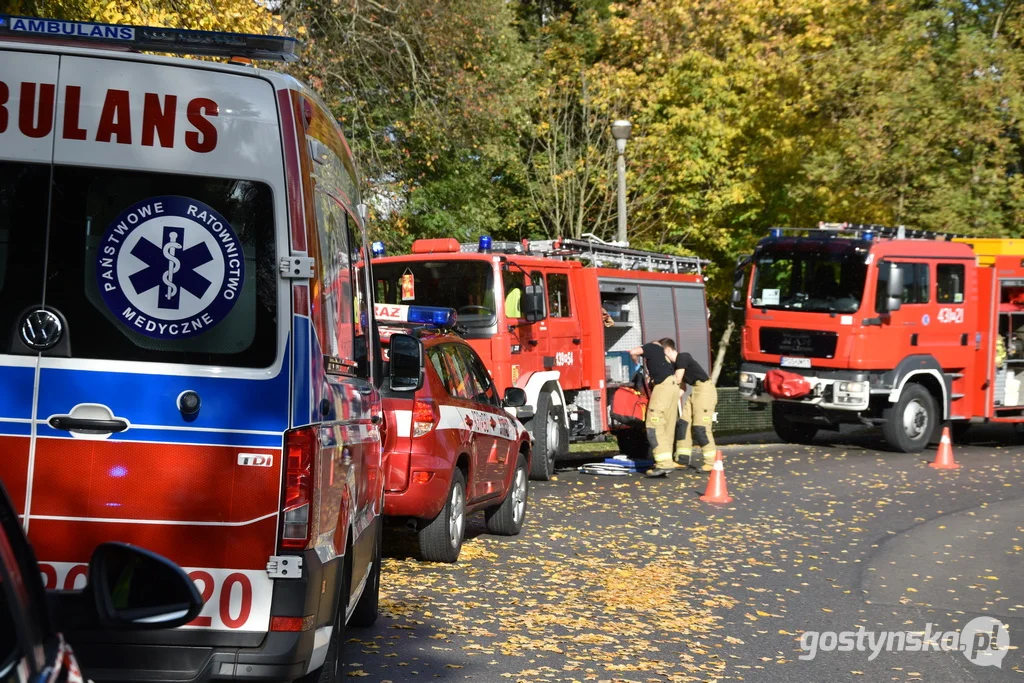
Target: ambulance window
[162, 267]
[23, 197]
[949, 283]
[558, 295]
[335, 278]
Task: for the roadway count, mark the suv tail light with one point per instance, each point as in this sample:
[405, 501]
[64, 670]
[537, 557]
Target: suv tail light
[299, 459]
[424, 416]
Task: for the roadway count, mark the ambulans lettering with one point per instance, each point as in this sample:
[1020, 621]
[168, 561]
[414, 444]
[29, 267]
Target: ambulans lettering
[119, 121]
[73, 28]
[170, 267]
[951, 315]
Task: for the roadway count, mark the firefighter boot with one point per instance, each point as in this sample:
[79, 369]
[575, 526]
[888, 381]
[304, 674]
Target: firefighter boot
[709, 462]
[683, 456]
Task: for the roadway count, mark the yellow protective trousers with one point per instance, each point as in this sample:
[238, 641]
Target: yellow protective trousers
[662, 412]
[699, 414]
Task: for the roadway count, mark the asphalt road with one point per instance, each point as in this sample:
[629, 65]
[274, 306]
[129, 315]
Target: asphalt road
[630, 579]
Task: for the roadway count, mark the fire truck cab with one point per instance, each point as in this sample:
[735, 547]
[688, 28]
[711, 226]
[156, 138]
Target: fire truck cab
[534, 313]
[873, 325]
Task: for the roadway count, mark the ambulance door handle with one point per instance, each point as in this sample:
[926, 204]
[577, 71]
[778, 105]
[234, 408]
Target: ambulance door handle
[68, 423]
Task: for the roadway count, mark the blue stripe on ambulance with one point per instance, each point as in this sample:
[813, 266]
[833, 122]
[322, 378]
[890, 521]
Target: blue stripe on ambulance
[307, 348]
[15, 428]
[259, 405]
[16, 391]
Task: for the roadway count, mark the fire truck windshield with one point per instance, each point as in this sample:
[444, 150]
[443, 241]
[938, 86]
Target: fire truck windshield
[466, 286]
[827, 280]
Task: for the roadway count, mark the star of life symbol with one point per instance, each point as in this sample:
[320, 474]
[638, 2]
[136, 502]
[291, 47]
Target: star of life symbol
[163, 263]
[170, 267]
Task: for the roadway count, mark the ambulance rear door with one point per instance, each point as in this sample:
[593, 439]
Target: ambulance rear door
[162, 397]
[27, 91]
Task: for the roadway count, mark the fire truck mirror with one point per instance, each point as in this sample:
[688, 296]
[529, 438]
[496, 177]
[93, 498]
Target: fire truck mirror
[532, 304]
[739, 278]
[406, 358]
[894, 289]
[515, 397]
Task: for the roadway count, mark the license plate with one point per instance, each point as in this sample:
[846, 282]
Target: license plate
[796, 362]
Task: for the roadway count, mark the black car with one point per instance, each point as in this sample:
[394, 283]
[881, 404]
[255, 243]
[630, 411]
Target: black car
[127, 588]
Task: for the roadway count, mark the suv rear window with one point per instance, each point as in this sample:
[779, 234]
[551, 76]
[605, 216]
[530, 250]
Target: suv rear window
[236, 327]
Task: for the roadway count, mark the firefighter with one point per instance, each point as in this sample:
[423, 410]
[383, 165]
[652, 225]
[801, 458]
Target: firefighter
[663, 406]
[697, 414]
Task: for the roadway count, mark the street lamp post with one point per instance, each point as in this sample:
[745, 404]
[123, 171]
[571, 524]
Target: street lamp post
[621, 130]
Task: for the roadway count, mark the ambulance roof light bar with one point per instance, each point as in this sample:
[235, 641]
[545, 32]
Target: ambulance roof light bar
[153, 38]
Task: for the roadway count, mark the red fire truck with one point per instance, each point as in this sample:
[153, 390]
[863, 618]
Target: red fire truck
[881, 326]
[533, 311]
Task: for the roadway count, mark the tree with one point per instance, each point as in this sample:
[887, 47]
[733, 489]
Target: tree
[431, 94]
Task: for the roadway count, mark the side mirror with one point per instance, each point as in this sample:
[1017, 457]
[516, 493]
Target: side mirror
[739, 281]
[135, 588]
[515, 397]
[405, 354]
[894, 289]
[532, 304]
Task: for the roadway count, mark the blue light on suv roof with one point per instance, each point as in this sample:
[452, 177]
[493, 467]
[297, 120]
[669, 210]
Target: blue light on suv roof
[432, 315]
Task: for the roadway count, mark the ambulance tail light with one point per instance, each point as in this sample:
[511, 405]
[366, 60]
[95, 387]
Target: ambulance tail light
[425, 416]
[298, 487]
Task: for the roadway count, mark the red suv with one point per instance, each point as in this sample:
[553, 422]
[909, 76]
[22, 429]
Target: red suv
[450, 447]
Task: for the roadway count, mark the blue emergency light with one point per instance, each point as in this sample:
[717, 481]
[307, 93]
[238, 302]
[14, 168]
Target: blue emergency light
[432, 315]
[155, 39]
[485, 244]
[868, 235]
[775, 232]
[378, 249]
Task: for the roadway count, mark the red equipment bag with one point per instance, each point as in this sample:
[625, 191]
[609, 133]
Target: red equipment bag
[782, 384]
[629, 407]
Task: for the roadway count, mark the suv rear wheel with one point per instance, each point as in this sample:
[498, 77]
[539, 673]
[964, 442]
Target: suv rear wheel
[441, 538]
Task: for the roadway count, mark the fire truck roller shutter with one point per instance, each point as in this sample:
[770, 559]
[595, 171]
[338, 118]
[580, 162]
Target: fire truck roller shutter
[549, 425]
[677, 311]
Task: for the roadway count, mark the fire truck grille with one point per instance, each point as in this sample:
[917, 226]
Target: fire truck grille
[808, 343]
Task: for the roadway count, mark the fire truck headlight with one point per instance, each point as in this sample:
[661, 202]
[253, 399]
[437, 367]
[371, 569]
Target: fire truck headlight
[747, 379]
[853, 387]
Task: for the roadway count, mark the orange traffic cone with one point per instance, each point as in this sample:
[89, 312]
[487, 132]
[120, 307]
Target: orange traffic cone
[716, 491]
[944, 457]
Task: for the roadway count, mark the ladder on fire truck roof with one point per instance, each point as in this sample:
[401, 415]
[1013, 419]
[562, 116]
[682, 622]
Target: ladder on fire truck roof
[897, 233]
[599, 254]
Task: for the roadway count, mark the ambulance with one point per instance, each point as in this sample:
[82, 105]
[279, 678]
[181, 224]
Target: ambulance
[185, 342]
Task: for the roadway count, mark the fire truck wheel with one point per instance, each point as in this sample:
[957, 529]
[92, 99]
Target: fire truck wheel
[507, 519]
[911, 421]
[365, 613]
[550, 436]
[441, 538]
[789, 431]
